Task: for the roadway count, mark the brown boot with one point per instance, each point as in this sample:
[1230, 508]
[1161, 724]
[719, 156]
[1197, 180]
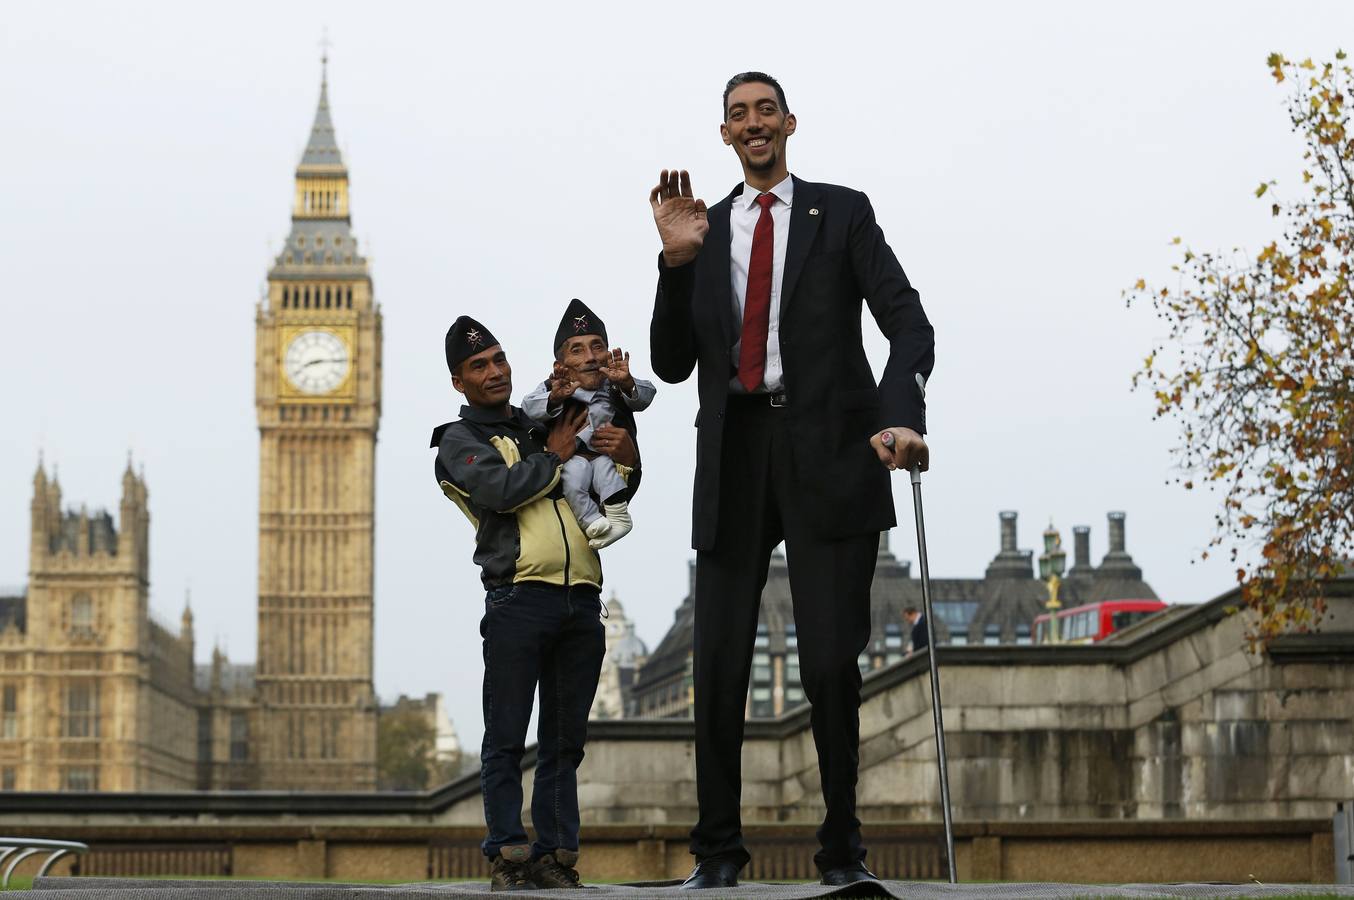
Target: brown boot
[510, 870]
[556, 870]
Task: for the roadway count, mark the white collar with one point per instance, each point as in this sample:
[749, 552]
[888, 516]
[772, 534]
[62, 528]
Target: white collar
[587, 396]
[785, 193]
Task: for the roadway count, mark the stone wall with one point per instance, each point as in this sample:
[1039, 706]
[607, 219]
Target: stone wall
[1275, 852]
[1170, 733]
[1175, 718]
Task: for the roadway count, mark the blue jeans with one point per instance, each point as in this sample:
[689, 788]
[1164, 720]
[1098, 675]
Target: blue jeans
[536, 633]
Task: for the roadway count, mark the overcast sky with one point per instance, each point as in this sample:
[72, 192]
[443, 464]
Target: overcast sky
[1027, 162]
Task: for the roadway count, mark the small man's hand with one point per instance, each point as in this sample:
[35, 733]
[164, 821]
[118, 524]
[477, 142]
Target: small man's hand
[616, 443]
[901, 448]
[618, 372]
[563, 437]
[680, 217]
[562, 387]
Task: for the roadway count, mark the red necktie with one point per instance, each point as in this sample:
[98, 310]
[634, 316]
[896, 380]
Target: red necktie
[757, 301]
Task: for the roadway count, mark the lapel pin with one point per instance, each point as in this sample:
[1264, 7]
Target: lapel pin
[814, 211]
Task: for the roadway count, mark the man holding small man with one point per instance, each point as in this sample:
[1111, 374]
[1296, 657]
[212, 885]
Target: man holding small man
[542, 625]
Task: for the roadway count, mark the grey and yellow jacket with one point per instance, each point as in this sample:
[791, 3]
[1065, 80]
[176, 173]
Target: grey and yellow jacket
[498, 471]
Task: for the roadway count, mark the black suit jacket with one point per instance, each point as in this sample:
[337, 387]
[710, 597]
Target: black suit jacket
[835, 257]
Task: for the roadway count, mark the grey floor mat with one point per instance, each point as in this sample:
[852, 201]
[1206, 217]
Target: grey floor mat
[165, 889]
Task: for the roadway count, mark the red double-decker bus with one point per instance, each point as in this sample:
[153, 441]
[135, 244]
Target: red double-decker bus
[1094, 621]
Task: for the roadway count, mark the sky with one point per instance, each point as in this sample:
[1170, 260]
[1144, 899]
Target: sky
[1027, 162]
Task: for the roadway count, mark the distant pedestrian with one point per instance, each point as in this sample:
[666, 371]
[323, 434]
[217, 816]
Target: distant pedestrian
[921, 635]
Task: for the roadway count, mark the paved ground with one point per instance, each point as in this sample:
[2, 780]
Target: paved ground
[161, 889]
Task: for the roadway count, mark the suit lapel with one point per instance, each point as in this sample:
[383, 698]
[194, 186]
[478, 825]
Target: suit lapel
[803, 228]
[721, 292]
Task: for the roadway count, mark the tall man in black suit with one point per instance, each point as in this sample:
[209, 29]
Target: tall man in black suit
[794, 443]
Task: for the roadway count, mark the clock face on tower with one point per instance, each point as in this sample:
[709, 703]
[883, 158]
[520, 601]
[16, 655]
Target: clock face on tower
[316, 362]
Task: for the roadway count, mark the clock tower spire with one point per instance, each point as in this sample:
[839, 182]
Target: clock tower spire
[318, 399]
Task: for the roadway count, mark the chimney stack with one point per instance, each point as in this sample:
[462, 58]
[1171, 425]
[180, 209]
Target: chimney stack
[1010, 562]
[1081, 547]
[1008, 532]
[1117, 563]
[1116, 532]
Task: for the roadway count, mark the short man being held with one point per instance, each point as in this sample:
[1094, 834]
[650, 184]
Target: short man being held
[542, 610]
[587, 373]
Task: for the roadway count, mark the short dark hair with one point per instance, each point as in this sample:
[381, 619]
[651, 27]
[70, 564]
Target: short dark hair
[909, 610]
[753, 78]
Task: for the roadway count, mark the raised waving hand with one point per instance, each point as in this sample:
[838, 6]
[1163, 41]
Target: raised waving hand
[680, 217]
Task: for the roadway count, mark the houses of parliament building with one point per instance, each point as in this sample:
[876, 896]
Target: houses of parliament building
[97, 695]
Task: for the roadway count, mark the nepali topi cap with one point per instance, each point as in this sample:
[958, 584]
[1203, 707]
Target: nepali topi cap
[465, 338]
[578, 320]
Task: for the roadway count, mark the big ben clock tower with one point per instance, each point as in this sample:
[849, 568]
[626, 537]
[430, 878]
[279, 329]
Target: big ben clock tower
[318, 396]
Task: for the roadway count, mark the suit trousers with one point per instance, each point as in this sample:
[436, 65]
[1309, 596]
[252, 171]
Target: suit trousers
[760, 506]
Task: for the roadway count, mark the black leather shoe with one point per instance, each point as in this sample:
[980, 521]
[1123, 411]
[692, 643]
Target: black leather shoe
[713, 873]
[848, 874]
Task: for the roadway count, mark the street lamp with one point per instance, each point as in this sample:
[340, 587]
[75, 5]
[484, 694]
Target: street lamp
[1052, 563]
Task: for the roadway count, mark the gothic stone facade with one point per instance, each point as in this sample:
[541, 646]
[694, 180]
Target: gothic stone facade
[95, 695]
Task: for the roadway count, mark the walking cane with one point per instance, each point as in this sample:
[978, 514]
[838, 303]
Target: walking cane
[931, 663]
[935, 675]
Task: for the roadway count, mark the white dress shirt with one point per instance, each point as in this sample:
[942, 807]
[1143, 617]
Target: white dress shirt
[743, 216]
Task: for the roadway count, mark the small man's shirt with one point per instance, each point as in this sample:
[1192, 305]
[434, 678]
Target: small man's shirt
[601, 406]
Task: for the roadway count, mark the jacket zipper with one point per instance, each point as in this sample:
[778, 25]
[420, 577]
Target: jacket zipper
[564, 539]
[563, 536]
